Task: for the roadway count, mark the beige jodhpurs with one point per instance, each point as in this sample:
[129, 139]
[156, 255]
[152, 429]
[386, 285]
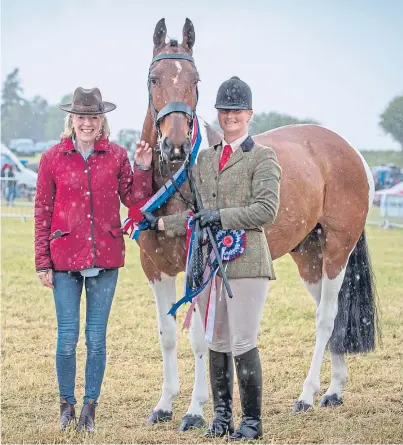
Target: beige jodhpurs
[237, 319]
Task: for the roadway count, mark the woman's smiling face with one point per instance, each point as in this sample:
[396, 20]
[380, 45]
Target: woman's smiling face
[86, 127]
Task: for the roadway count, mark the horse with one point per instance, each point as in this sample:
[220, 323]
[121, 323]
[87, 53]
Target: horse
[325, 194]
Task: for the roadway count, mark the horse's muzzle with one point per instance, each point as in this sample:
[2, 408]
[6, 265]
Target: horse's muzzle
[175, 153]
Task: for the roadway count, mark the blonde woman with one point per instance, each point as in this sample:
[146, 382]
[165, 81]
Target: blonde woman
[79, 240]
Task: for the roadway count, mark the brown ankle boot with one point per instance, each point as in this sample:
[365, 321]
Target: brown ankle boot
[86, 421]
[67, 414]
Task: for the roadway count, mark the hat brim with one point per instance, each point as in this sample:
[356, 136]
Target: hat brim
[108, 106]
[231, 107]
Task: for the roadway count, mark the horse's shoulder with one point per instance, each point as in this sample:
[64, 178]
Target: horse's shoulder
[264, 150]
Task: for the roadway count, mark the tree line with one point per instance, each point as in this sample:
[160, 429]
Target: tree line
[38, 120]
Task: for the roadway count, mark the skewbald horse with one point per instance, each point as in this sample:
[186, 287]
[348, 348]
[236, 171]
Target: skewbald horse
[326, 191]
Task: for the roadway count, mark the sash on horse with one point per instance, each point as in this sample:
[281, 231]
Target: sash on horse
[231, 243]
[135, 223]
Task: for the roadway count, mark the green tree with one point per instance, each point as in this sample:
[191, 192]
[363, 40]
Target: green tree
[392, 120]
[13, 107]
[11, 94]
[127, 138]
[33, 119]
[37, 117]
[55, 119]
[262, 122]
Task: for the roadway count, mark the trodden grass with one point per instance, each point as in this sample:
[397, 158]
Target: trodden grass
[373, 408]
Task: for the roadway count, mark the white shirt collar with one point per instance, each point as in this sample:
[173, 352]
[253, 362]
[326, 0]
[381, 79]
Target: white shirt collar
[236, 144]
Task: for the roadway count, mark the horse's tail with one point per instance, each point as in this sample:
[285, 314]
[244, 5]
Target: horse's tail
[356, 325]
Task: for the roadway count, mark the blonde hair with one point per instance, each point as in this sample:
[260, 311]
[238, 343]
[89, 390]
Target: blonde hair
[68, 131]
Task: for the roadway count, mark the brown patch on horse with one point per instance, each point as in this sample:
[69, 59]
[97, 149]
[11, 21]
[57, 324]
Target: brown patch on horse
[323, 181]
[308, 256]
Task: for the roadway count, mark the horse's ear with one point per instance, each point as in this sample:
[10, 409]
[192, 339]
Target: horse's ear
[160, 33]
[188, 34]
[213, 136]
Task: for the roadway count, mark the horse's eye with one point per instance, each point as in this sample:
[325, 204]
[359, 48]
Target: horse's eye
[154, 80]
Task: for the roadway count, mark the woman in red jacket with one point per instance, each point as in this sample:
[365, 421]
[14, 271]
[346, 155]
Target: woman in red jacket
[79, 240]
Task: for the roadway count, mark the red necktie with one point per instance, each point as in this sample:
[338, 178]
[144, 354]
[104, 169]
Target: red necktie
[225, 155]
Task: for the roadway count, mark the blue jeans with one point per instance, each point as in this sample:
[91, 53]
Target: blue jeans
[67, 294]
[11, 193]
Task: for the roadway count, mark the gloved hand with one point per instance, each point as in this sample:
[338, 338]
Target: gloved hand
[208, 217]
[152, 220]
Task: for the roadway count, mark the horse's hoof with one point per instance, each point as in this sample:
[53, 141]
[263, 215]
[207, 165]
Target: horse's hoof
[191, 421]
[159, 416]
[300, 407]
[330, 400]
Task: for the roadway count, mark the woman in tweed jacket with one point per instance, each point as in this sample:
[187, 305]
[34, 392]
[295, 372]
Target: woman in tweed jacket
[239, 182]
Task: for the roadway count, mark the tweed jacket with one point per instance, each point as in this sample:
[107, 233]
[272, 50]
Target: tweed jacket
[247, 193]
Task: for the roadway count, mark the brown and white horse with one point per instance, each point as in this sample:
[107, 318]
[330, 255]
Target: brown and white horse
[326, 191]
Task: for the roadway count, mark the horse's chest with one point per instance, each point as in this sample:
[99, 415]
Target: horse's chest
[166, 254]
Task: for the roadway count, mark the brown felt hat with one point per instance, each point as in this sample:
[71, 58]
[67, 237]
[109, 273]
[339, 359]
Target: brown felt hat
[88, 101]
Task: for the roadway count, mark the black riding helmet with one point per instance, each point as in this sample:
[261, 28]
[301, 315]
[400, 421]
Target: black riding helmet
[234, 94]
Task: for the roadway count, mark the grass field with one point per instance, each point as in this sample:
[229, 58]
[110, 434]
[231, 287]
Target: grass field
[373, 409]
[375, 158]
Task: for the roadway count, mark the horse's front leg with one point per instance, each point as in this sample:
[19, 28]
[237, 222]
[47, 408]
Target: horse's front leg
[165, 296]
[194, 415]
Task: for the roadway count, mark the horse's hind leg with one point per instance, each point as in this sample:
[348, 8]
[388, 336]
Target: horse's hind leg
[332, 397]
[194, 415]
[314, 266]
[165, 296]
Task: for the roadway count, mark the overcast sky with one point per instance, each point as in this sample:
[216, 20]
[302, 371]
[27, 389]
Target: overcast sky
[337, 61]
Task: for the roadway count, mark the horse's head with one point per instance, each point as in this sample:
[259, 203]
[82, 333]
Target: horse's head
[172, 84]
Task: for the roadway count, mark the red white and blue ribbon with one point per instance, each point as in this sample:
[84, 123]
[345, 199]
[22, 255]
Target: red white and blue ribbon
[231, 244]
[135, 223]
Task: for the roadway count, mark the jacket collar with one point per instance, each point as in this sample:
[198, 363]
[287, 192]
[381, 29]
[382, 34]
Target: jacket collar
[237, 155]
[100, 145]
[246, 145]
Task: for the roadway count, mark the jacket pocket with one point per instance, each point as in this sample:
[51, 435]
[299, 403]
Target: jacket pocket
[58, 234]
[116, 232]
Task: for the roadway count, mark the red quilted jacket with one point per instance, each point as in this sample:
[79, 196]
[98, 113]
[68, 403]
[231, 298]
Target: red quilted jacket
[77, 221]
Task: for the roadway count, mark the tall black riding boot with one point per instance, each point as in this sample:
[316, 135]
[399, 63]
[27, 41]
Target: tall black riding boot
[222, 382]
[249, 372]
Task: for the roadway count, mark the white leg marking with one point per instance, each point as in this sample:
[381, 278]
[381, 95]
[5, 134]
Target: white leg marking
[325, 316]
[165, 296]
[315, 289]
[199, 347]
[339, 374]
[339, 368]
